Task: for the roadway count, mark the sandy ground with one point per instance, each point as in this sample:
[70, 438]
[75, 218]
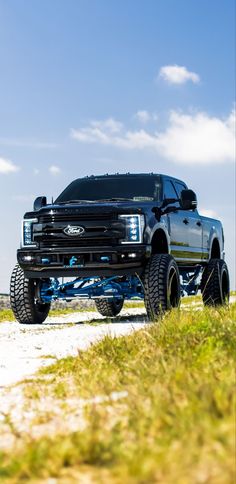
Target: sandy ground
[24, 349]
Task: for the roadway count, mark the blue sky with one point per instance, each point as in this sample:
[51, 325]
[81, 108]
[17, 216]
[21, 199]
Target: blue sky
[97, 86]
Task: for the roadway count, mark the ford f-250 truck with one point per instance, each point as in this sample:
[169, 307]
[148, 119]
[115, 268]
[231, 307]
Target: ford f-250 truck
[118, 237]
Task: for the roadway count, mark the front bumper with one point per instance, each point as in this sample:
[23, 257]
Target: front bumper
[86, 262]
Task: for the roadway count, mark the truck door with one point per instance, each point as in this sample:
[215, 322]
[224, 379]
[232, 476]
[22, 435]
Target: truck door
[192, 221]
[178, 231]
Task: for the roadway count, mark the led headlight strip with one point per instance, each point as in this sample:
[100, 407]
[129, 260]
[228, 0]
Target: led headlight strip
[134, 225]
[27, 232]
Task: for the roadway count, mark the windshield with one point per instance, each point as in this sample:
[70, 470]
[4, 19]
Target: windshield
[135, 188]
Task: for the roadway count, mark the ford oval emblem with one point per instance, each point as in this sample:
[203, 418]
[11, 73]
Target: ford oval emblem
[73, 230]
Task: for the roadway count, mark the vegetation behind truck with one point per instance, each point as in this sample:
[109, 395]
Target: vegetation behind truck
[116, 237]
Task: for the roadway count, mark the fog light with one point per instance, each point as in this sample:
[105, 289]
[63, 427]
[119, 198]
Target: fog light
[105, 258]
[132, 255]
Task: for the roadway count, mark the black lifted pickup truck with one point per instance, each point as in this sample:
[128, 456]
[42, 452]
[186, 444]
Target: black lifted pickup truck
[117, 237]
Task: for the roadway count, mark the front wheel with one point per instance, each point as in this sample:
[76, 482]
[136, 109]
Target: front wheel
[23, 299]
[215, 283]
[161, 285]
[109, 308]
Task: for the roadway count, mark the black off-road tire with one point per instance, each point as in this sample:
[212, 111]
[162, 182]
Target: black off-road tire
[109, 308]
[22, 298]
[215, 286]
[161, 285]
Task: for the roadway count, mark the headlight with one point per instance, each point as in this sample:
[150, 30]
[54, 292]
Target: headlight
[27, 232]
[134, 225]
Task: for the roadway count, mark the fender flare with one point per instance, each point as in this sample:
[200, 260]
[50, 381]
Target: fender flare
[160, 228]
[212, 240]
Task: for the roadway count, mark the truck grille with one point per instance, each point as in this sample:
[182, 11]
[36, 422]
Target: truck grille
[99, 230]
[63, 244]
[75, 218]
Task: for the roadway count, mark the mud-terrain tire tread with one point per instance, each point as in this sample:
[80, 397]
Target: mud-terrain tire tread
[211, 283]
[109, 308]
[155, 282]
[25, 309]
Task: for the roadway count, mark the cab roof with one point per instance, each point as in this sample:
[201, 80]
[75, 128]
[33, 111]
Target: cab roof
[128, 174]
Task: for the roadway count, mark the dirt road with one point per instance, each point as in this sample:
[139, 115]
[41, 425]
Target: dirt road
[24, 349]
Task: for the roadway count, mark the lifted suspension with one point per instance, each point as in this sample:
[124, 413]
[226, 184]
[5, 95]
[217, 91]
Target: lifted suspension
[115, 287]
[190, 281]
[92, 288]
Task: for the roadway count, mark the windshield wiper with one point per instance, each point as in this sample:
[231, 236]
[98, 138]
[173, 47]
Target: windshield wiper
[115, 199]
[74, 201]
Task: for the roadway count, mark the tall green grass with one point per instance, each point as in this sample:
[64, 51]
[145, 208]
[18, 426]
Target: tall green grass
[176, 424]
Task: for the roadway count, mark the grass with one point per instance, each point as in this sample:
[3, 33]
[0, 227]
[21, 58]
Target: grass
[191, 299]
[7, 314]
[174, 426]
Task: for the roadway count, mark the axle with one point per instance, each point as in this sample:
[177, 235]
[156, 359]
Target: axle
[92, 288]
[109, 288]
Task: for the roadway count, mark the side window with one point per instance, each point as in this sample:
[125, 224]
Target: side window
[158, 189]
[169, 191]
[179, 187]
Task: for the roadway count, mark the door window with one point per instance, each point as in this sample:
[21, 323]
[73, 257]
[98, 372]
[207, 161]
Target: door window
[179, 187]
[169, 192]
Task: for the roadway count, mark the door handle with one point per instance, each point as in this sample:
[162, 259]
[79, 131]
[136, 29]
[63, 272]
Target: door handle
[186, 221]
[199, 223]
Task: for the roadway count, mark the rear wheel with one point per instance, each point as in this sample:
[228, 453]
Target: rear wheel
[215, 283]
[161, 285]
[109, 308]
[23, 293]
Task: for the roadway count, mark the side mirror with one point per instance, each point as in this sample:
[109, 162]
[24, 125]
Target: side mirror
[39, 203]
[188, 200]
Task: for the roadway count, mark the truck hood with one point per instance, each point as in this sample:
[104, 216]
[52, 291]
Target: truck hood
[90, 208]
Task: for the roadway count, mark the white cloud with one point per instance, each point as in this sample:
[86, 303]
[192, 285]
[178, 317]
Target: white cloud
[98, 131]
[178, 75]
[54, 170]
[36, 171]
[123, 139]
[6, 166]
[110, 125]
[187, 139]
[143, 116]
[198, 138]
